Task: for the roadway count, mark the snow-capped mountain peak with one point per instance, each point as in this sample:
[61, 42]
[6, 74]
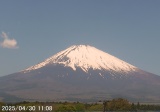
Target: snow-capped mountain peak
[86, 57]
[81, 73]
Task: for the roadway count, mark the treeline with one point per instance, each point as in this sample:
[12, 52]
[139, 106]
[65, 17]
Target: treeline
[124, 105]
[103, 106]
[148, 107]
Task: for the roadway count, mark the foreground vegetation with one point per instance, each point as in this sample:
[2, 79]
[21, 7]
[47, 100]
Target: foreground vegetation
[112, 105]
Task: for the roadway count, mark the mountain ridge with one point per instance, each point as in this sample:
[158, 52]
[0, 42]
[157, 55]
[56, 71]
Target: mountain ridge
[81, 72]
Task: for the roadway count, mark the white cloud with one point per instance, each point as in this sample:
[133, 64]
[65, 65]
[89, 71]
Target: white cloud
[7, 42]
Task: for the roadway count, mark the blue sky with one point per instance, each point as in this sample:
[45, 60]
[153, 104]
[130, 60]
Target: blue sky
[31, 31]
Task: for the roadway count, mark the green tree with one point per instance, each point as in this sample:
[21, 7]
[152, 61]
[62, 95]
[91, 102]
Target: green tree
[118, 105]
[95, 107]
[80, 107]
[66, 108]
[138, 106]
[133, 107]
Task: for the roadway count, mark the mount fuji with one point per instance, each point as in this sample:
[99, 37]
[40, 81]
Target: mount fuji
[81, 73]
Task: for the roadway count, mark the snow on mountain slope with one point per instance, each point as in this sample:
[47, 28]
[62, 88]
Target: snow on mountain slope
[85, 57]
[80, 73]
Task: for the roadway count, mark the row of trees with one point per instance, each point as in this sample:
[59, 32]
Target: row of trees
[124, 105]
[104, 106]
